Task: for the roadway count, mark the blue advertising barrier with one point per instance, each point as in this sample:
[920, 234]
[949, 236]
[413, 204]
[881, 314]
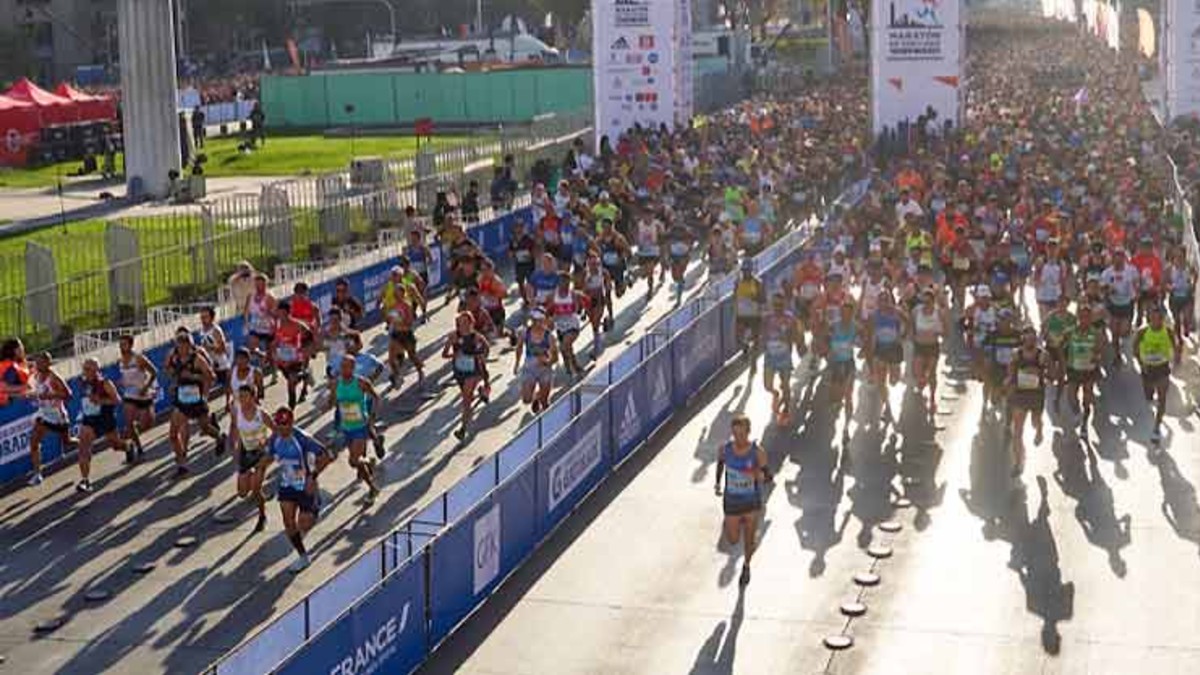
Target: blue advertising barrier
[384, 633]
[366, 284]
[572, 464]
[473, 536]
[471, 557]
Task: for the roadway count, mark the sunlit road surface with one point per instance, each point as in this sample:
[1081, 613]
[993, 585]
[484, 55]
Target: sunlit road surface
[199, 602]
[1087, 564]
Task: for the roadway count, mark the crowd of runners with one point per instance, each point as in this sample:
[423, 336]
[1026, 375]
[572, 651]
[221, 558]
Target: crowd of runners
[655, 211]
[1031, 250]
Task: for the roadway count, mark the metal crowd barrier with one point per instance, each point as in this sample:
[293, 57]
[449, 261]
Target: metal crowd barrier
[391, 608]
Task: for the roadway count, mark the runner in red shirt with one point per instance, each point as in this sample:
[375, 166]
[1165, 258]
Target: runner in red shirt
[305, 311]
[806, 287]
[1150, 269]
[288, 352]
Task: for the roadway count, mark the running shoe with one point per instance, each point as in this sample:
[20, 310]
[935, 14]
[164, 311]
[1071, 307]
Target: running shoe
[380, 450]
[745, 578]
[84, 487]
[300, 564]
[36, 479]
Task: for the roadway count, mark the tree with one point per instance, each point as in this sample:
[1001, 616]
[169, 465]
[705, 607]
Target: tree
[16, 54]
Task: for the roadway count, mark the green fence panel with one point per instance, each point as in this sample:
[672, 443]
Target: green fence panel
[384, 98]
[369, 93]
[525, 104]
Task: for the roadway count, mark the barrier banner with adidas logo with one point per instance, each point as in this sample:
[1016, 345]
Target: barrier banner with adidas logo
[916, 62]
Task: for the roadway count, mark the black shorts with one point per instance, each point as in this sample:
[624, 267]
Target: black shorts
[618, 274]
[752, 323]
[803, 307]
[1080, 376]
[461, 378]
[1156, 374]
[56, 428]
[891, 354]
[139, 403]
[522, 271]
[1031, 401]
[926, 351]
[498, 317]
[741, 508]
[292, 368]
[841, 371]
[264, 339]
[404, 338]
[248, 461]
[101, 425]
[1178, 304]
[1121, 311]
[306, 502]
[193, 411]
[221, 377]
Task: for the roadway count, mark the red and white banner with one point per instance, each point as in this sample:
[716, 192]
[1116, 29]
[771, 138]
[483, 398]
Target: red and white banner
[916, 61]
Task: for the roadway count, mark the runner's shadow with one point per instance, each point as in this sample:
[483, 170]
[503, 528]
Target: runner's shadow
[1035, 560]
[874, 466]
[1179, 506]
[817, 491]
[1080, 478]
[920, 457]
[991, 493]
[718, 653]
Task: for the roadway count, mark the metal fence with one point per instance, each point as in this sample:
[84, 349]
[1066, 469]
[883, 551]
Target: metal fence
[112, 279]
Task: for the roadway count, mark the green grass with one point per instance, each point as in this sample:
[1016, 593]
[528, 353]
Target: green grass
[173, 269]
[282, 156]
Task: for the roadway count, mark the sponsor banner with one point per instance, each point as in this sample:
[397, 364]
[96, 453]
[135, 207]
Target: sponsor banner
[627, 405]
[383, 633]
[365, 284]
[915, 61]
[633, 64]
[697, 352]
[575, 465]
[1182, 53]
[487, 549]
[14, 440]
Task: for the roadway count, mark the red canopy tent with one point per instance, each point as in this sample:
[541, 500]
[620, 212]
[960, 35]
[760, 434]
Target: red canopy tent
[52, 108]
[19, 127]
[91, 108]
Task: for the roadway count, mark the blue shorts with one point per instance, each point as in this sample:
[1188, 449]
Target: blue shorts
[360, 434]
[779, 363]
[306, 502]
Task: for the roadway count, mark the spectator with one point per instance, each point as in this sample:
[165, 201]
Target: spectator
[470, 203]
[501, 196]
[241, 283]
[13, 376]
[198, 128]
[258, 128]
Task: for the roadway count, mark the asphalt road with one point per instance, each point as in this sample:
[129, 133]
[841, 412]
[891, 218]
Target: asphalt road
[201, 601]
[1088, 564]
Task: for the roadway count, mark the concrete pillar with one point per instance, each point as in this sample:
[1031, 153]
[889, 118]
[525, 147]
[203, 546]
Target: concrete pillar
[146, 30]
